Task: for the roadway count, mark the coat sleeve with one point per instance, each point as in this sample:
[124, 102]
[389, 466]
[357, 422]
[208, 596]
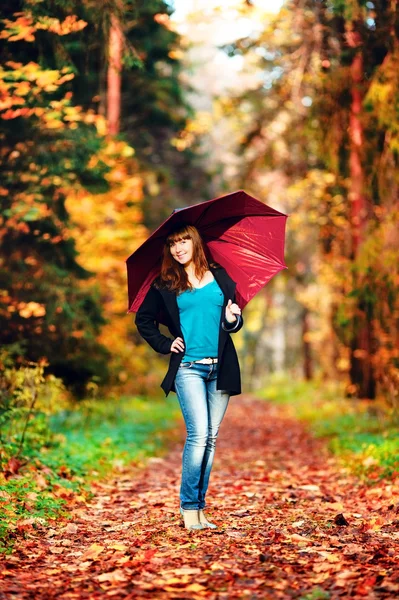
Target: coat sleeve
[233, 327]
[147, 324]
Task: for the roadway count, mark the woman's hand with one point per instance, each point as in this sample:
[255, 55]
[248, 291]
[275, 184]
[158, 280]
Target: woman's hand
[177, 345]
[232, 310]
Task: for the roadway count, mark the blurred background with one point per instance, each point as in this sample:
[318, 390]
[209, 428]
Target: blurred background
[114, 113]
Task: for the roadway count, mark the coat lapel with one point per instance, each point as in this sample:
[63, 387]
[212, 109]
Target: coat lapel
[226, 284]
[170, 301]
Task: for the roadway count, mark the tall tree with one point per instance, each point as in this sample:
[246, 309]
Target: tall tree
[47, 146]
[114, 78]
[318, 118]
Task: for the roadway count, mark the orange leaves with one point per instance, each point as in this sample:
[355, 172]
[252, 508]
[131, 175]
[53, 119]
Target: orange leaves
[20, 29]
[93, 552]
[22, 88]
[23, 28]
[70, 24]
[31, 309]
[113, 576]
[130, 535]
[12, 467]
[162, 19]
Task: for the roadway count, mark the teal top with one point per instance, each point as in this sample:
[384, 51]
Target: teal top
[200, 311]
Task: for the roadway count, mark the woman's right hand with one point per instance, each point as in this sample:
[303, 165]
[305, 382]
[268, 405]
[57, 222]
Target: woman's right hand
[177, 345]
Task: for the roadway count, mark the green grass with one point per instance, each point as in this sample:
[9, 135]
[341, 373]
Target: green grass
[131, 429]
[363, 434]
[316, 594]
[80, 445]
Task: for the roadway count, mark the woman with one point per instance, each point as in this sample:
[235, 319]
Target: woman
[197, 301]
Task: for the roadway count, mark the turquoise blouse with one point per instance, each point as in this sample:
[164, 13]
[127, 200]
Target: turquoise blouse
[200, 311]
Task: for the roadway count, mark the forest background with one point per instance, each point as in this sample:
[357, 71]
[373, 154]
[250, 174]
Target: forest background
[111, 115]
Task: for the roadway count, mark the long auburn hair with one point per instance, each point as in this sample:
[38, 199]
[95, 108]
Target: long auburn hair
[173, 275]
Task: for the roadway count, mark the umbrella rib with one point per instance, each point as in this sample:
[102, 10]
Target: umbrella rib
[238, 217]
[237, 245]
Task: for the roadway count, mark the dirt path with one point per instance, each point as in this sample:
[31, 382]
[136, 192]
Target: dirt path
[276, 495]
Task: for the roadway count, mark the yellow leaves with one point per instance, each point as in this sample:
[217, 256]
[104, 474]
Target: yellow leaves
[196, 588]
[184, 141]
[22, 83]
[342, 364]
[73, 114]
[47, 80]
[31, 309]
[101, 125]
[120, 547]
[22, 89]
[202, 123]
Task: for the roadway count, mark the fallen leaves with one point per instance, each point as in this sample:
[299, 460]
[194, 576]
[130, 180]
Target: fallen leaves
[93, 552]
[290, 525]
[340, 520]
[113, 576]
[12, 467]
[71, 528]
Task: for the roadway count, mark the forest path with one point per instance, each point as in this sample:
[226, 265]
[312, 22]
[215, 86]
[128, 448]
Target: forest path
[275, 493]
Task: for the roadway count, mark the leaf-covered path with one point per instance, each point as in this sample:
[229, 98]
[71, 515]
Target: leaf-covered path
[292, 524]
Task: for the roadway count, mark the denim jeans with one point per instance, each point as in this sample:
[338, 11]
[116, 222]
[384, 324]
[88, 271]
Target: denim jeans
[203, 408]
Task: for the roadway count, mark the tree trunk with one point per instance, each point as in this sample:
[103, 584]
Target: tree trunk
[306, 347]
[356, 196]
[361, 370]
[114, 76]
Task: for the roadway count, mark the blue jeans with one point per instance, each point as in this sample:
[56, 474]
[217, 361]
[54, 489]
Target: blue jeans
[203, 408]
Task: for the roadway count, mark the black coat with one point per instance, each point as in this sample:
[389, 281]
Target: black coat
[159, 301]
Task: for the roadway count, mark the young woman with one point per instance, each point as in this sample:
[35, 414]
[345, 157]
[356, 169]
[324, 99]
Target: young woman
[196, 300]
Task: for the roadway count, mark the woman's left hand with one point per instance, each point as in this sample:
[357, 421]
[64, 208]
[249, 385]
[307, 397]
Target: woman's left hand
[232, 310]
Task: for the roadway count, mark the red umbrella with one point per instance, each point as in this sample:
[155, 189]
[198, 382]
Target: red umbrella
[241, 233]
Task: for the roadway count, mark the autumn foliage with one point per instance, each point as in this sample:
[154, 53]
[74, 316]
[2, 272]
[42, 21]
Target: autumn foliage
[71, 205]
[318, 134]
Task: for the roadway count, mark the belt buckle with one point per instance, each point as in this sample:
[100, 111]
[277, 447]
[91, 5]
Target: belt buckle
[207, 361]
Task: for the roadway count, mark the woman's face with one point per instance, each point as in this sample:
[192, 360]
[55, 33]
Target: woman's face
[182, 251]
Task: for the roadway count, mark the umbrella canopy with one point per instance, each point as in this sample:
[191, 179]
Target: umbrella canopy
[241, 233]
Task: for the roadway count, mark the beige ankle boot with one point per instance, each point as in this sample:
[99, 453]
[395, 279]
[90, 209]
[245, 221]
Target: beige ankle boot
[191, 519]
[204, 520]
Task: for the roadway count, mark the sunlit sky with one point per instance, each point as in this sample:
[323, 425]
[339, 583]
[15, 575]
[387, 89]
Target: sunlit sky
[184, 7]
[206, 26]
[210, 24]
[220, 21]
